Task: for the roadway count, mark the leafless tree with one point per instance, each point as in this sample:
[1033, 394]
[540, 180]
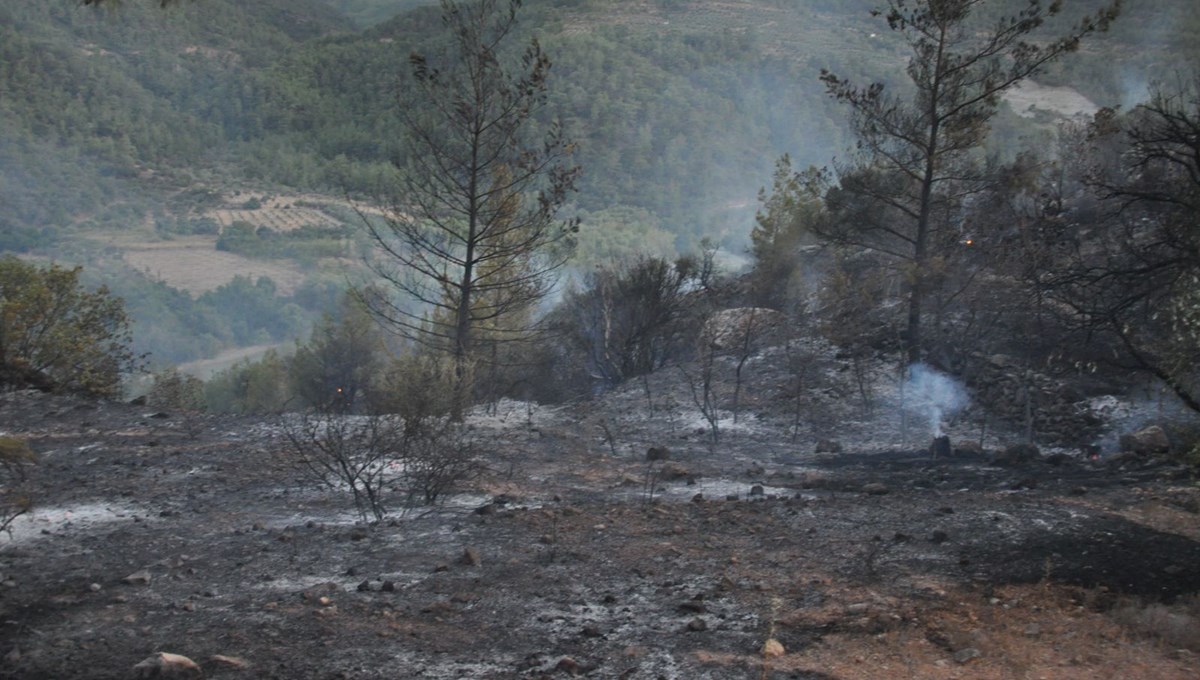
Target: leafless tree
[1130, 280]
[358, 453]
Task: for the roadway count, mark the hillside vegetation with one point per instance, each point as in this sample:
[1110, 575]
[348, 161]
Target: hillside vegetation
[129, 125]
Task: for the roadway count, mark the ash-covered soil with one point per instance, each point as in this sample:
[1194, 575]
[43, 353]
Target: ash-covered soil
[166, 532]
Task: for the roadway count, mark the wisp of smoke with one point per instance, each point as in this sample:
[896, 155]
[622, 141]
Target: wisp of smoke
[934, 395]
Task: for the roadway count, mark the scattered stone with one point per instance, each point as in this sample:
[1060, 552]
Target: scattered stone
[693, 607]
[773, 649]
[698, 498]
[358, 533]
[875, 489]
[967, 654]
[95, 587]
[388, 586]
[364, 587]
[697, 625]
[757, 490]
[1033, 630]
[939, 536]
[1173, 569]
[138, 578]
[166, 666]
[858, 608]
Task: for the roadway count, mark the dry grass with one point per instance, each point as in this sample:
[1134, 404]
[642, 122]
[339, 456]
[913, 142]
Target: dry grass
[1027, 632]
[1021, 632]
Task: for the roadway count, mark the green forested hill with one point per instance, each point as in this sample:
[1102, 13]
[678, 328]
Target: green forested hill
[141, 119]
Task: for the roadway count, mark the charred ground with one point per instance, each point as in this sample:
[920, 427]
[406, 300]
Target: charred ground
[170, 532]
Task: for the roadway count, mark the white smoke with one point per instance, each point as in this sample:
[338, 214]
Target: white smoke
[934, 396]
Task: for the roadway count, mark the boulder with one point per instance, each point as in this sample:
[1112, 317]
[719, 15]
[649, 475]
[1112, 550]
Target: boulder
[1015, 454]
[658, 453]
[750, 327]
[1147, 441]
[166, 666]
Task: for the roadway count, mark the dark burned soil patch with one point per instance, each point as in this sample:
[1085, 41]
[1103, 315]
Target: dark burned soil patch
[232, 554]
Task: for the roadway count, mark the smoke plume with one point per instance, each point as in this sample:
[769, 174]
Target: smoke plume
[934, 396]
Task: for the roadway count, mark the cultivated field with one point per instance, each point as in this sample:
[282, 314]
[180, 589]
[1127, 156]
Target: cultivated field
[194, 264]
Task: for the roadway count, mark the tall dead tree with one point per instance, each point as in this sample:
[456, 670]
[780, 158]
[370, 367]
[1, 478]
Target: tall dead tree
[472, 237]
[918, 151]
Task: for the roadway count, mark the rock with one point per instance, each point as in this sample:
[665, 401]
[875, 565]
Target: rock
[939, 536]
[658, 453]
[592, 631]
[697, 625]
[1147, 441]
[827, 446]
[569, 666]
[751, 328]
[471, 557]
[166, 666]
[772, 649]
[1033, 630]
[1058, 459]
[138, 578]
[1024, 484]
[967, 654]
[231, 662]
[673, 471]
[875, 489]
[1015, 454]
[757, 490]
[968, 448]
[358, 533]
